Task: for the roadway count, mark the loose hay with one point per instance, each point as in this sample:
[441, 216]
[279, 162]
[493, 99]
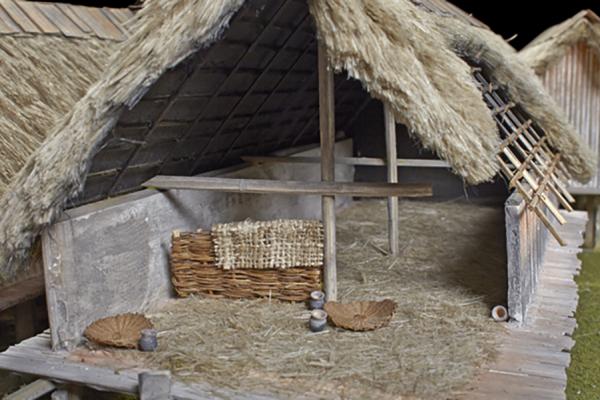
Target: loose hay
[449, 273]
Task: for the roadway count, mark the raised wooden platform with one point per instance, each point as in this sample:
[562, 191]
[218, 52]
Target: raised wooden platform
[532, 358]
[530, 365]
[34, 356]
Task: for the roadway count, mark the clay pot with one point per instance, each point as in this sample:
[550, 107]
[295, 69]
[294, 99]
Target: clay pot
[148, 341]
[317, 300]
[318, 320]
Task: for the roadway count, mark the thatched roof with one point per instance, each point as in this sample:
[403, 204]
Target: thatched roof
[551, 45]
[175, 102]
[51, 54]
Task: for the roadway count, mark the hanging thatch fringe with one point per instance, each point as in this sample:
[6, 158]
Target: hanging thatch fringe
[401, 53]
[552, 44]
[42, 78]
[395, 50]
[524, 88]
[167, 32]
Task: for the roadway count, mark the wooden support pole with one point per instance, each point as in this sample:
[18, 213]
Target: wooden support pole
[34, 390]
[327, 134]
[268, 186]
[24, 320]
[392, 174]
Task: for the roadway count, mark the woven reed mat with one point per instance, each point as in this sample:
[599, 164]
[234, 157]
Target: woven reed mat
[275, 244]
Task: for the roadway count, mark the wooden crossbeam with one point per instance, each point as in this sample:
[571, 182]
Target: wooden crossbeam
[529, 137]
[533, 183]
[267, 186]
[523, 191]
[355, 161]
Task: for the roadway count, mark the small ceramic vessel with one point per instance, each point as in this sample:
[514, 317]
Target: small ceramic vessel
[317, 300]
[500, 314]
[318, 320]
[148, 341]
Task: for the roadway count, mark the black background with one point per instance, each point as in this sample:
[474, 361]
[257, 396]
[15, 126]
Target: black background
[525, 18]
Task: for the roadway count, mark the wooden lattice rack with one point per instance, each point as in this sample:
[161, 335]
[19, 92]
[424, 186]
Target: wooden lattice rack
[526, 158]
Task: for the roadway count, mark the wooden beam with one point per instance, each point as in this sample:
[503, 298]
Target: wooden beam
[356, 161]
[327, 135]
[34, 390]
[155, 385]
[267, 186]
[392, 175]
[22, 291]
[24, 314]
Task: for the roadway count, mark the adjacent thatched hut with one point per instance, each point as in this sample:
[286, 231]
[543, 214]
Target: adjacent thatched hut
[567, 59]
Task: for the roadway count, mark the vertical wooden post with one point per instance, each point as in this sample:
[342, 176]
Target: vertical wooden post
[154, 385]
[392, 174]
[24, 314]
[327, 133]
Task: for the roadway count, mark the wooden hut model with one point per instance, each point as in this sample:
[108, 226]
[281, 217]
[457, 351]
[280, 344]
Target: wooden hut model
[198, 84]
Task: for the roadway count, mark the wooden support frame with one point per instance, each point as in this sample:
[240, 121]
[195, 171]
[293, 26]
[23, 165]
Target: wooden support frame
[526, 159]
[392, 175]
[327, 135]
[355, 161]
[268, 186]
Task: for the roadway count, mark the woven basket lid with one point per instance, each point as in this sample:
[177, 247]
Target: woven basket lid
[123, 330]
[361, 315]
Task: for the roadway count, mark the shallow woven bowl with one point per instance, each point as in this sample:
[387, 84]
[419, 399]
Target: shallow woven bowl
[123, 330]
[361, 315]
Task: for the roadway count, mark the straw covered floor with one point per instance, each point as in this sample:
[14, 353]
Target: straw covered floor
[449, 274]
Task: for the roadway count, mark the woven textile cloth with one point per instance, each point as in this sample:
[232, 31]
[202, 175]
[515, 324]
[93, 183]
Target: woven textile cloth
[268, 244]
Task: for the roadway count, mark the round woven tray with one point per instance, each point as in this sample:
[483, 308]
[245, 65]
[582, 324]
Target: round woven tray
[123, 330]
[361, 315]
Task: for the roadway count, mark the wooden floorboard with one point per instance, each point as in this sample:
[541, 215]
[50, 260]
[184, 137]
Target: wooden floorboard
[34, 356]
[532, 358]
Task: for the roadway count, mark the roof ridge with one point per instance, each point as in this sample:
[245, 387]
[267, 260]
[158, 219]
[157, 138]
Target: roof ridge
[18, 17]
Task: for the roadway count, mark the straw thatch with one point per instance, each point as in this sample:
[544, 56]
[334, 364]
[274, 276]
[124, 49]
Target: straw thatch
[402, 53]
[484, 47]
[550, 46]
[42, 78]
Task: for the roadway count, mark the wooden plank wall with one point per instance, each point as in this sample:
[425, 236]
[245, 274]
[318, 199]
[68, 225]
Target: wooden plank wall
[526, 240]
[112, 256]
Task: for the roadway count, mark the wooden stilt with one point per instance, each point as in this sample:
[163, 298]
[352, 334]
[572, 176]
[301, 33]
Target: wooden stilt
[24, 320]
[327, 133]
[392, 174]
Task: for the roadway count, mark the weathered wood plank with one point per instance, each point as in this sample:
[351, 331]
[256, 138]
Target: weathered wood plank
[22, 291]
[356, 161]
[36, 15]
[155, 385]
[266, 186]
[32, 391]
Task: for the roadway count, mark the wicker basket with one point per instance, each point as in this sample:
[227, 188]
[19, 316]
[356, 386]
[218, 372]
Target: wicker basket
[194, 271]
